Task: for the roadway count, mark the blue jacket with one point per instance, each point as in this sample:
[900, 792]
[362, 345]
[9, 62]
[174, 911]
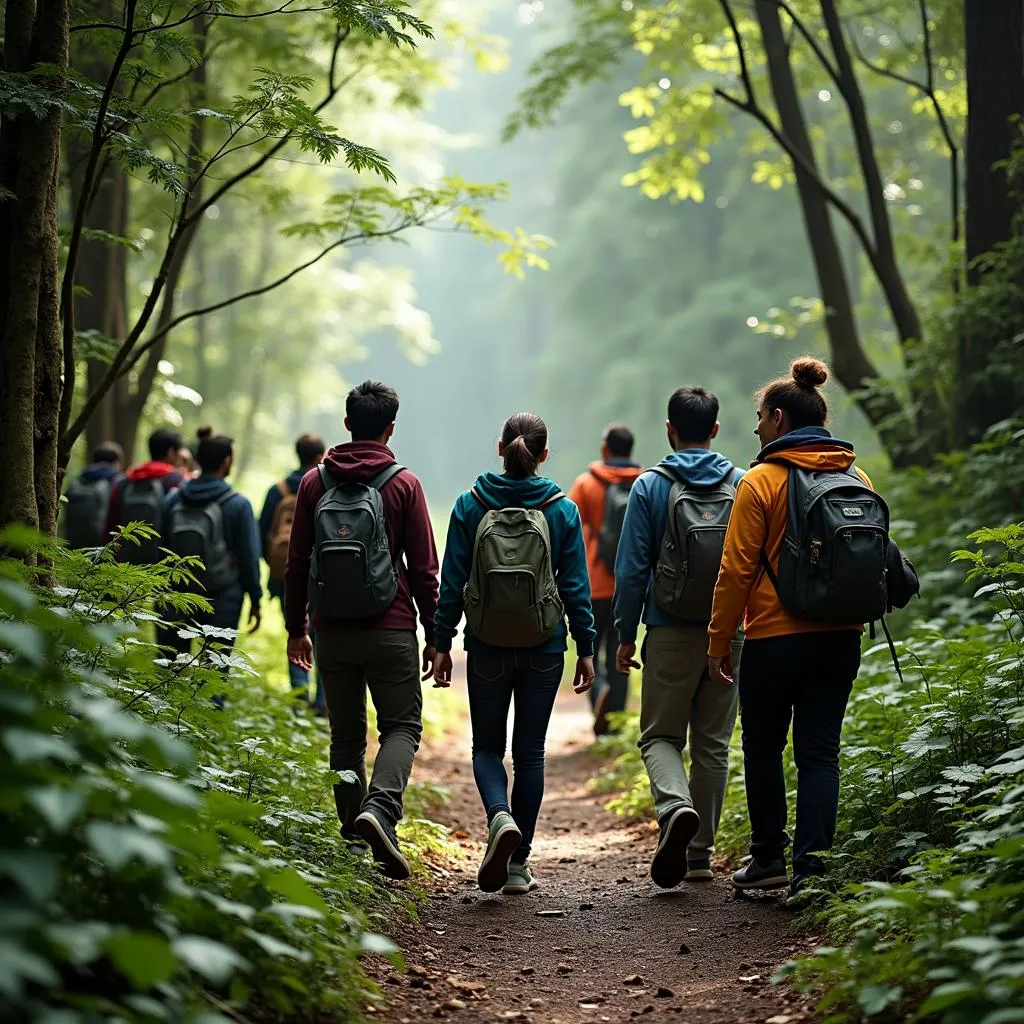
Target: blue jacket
[239, 527]
[568, 555]
[643, 530]
[270, 504]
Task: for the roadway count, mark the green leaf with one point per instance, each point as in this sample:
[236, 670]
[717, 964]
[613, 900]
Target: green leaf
[947, 995]
[18, 965]
[56, 805]
[25, 639]
[873, 999]
[287, 883]
[371, 942]
[275, 947]
[81, 943]
[116, 845]
[25, 745]
[1007, 1015]
[33, 871]
[213, 960]
[144, 958]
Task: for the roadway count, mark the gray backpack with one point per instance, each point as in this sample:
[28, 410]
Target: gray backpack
[85, 514]
[198, 530]
[352, 574]
[511, 598]
[616, 498]
[691, 549]
[832, 567]
[142, 501]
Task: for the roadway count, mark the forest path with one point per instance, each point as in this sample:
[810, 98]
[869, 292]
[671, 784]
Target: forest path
[598, 942]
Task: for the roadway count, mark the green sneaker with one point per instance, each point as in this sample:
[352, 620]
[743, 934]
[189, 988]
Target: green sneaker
[520, 880]
[503, 839]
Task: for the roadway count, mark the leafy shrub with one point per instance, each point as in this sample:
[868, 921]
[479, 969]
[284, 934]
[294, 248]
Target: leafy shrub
[162, 860]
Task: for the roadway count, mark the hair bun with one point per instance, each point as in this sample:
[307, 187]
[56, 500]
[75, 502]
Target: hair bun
[204, 433]
[809, 372]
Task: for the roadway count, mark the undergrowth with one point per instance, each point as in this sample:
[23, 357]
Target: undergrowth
[161, 859]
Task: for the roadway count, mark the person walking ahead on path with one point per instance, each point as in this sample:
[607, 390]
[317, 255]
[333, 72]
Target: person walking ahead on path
[207, 518]
[275, 532]
[797, 668]
[665, 573]
[515, 563]
[84, 517]
[362, 551]
[601, 495]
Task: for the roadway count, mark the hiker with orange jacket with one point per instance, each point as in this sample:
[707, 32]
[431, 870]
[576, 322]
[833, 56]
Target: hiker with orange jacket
[275, 531]
[601, 495]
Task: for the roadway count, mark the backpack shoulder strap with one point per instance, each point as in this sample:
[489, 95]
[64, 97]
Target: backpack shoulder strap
[325, 478]
[382, 479]
[550, 501]
[487, 507]
[667, 474]
[225, 498]
[283, 489]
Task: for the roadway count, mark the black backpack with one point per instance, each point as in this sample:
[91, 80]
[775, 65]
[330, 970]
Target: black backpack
[691, 549]
[835, 552]
[616, 498]
[198, 530]
[352, 574]
[142, 501]
[85, 514]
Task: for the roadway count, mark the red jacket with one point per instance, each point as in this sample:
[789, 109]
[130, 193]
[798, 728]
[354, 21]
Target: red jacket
[410, 537]
[162, 471]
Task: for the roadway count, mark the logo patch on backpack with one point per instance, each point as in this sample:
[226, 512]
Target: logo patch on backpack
[345, 531]
[708, 516]
[853, 512]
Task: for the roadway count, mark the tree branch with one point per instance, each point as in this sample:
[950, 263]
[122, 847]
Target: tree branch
[748, 85]
[819, 52]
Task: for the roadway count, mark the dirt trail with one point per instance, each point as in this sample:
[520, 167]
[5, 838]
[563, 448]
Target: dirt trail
[598, 942]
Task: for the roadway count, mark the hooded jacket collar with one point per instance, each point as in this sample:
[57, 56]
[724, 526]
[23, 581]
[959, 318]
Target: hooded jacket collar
[358, 461]
[699, 467]
[204, 489]
[615, 471]
[810, 448]
[500, 491]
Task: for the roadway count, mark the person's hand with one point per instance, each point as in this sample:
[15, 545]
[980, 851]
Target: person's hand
[585, 673]
[442, 670]
[721, 671]
[625, 658]
[429, 654]
[300, 652]
[255, 618]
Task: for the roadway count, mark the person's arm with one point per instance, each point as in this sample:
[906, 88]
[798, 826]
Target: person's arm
[458, 554]
[248, 553]
[300, 553]
[573, 581]
[633, 562]
[267, 516]
[421, 558]
[114, 509]
[741, 564]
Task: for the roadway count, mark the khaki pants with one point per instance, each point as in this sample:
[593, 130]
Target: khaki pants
[679, 702]
[385, 661]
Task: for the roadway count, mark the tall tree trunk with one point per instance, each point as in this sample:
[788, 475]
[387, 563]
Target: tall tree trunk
[30, 356]
[851, 364]
[994, 33]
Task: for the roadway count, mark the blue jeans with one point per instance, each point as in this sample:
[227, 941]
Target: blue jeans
[805, 678]
[494, 679]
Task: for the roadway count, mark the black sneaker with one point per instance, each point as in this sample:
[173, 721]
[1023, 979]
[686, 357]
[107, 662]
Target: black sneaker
[668, 867]
[699, 870]
[380, 837]
[762, 876]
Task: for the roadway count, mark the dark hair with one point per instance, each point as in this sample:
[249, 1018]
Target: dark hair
[309, 447]
[162, 441]
[108, 451]
[797, 395]
[693, 413]
[371, 408]
[204, 432]
[525, 436]
[619, 439]
[213, 451]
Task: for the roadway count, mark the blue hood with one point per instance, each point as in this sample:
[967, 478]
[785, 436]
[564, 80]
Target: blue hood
[204, 489]
[100, 471]
[805, 437]
[501, 491]
[699, 467]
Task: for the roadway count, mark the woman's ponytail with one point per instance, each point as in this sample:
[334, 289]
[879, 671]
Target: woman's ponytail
[524, 436]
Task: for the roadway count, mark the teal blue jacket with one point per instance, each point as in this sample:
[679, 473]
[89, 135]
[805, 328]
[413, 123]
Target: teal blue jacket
[568, 555]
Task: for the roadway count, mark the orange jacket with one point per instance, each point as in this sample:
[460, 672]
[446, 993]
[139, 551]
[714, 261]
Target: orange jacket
[758, 521]
[588, 494]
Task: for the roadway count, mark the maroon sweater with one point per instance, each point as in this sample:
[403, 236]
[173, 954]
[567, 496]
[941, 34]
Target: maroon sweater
[410, 537]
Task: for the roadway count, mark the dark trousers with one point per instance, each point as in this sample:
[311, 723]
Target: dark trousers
[227, 613]
[604, 661]
[385, 661]
[494, 680]
[806, 679]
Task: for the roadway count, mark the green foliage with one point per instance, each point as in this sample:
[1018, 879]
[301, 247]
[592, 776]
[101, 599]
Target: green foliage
[162, 859]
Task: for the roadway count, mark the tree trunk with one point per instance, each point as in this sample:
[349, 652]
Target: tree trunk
[850, 363]
[30, 354]
[994, 33]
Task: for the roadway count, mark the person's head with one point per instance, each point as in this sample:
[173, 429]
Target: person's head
[617, 442]
[164, 445]
[215, 455]
[311, 450]
[370, 412]
[108, 453]
[523, 445]
[789, 403]
[692, 418]
[185, 461]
